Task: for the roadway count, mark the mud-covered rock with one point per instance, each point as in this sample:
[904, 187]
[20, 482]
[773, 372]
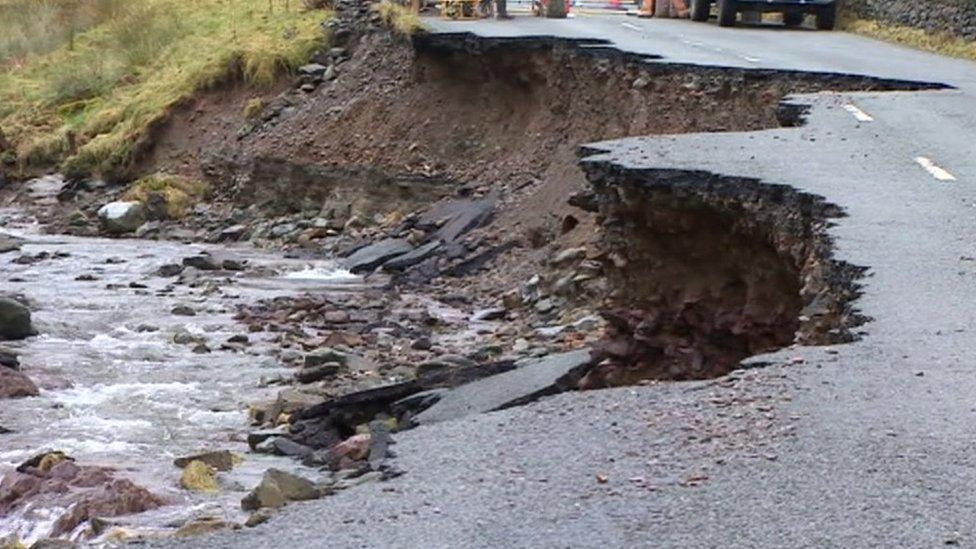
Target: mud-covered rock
[221, 460]
[278, 488]
[14, 384]
[15, 320]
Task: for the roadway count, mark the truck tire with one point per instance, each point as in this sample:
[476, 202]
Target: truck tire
[700, 9]
[727, 10]
[827, 17]
[792, 18]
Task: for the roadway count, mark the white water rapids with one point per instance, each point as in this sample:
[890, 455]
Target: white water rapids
[117, 390]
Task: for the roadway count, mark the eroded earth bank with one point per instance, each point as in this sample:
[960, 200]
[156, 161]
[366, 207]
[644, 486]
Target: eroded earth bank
[411, 233]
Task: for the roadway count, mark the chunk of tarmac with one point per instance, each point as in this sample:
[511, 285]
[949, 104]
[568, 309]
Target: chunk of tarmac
[532, 380]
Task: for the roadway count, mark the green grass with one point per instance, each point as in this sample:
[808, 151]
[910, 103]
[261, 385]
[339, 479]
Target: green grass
[399, 18]
[38, 26]
[89, 103]
[179, 193]
[934, 42]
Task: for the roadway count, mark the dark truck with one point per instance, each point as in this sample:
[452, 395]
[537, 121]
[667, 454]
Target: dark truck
[793, 10]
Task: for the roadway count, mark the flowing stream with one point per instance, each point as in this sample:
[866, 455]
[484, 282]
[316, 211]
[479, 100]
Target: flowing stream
[116, 389]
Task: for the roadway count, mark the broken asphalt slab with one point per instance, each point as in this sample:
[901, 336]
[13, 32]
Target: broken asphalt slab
[370, 257]
[529, 381]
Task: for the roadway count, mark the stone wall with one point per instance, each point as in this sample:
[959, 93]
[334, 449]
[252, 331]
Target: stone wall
[956, 17]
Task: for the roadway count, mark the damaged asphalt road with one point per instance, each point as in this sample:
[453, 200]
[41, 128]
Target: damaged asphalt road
[864, 444]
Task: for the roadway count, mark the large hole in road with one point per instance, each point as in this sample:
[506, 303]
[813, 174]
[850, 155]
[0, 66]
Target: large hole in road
[706, 271]
[701, 271]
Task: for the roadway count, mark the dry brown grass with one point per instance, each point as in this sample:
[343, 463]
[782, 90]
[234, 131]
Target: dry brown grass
[400, 18]
[940, 43]
[179, 193]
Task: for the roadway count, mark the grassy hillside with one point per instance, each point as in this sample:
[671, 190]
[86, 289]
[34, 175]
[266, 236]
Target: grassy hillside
[934, 42]
[83, 82]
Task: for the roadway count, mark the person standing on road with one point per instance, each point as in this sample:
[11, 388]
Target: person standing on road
[501, 9]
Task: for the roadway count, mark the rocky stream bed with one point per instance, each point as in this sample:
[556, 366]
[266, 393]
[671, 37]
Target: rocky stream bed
[134, 370]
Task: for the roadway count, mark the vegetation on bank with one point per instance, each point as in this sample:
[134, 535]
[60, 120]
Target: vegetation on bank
[401, 19]
[940, 43]
[84, 87]
[178, 194]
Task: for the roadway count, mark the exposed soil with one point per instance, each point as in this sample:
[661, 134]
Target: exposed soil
[506, 115]
[709, 270]
[407, 123]
[691, 272]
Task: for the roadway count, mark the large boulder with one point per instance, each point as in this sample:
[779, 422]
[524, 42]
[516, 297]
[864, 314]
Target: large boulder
[14, 384]
[277, 488]
[122, 217]
[83, 492]
[15, 320]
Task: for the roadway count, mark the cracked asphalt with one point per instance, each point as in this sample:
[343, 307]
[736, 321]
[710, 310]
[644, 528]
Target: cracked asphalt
[870, 444]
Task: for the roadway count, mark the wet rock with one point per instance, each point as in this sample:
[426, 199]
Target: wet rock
[202, 262]
[43, 463]
[85, 491]
[443, 365]
[201, 349]
[412, 405]
[149, 229]
[349, 452]
[277, 488]
[412, 257]
[9, 359]
[78, 219]
[221, 460]
[370, 257]
[169, 270]
[183, 310]
[204, 525]
[14, 384]
[122, 217]
[183, 337]
[233, 264]
[284, 446]
[318, 373]
[199, 477]
[325, 356]
[530, 381]
[456, 217]
[232, 233]
[255, 438]
[15, 320]
[8, 244]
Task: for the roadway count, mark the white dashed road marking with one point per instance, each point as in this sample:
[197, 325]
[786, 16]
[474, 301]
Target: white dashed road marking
[860, 115]
[934, 170]
[630, 26]
[751, 59]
